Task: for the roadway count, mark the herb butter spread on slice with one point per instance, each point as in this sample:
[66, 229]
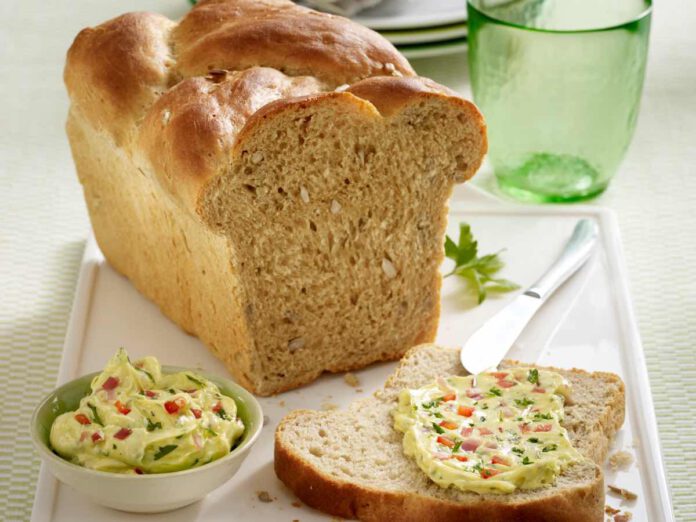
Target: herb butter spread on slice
[490, 433]
[137, 420]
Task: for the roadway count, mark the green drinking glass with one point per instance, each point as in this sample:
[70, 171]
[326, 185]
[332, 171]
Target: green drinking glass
[559, 83]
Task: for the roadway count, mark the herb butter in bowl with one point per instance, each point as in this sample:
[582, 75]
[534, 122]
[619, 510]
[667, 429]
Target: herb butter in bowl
[145, 438]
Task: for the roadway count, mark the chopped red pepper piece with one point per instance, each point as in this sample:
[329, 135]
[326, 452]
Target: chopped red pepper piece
[504, 383]
[465, 411]
[448, 425]
[138, 471]
[175, 405]
[542, 428]
[150, 394]
[110, 383]
[485, 431]
[123, 433]
[196, 413]
[487, 473]
[449, 397]
[445, 441]
[499, 375]
[538, 389]
[96, 437]
[217, 407]
[467, 431]
[121, 408]
[461, 458]
[497, 459]
[82, 419]
[524, 428]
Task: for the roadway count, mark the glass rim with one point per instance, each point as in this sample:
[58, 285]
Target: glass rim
[637, 18]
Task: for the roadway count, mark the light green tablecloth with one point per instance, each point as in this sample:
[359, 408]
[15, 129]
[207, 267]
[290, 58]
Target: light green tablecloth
[43, 223]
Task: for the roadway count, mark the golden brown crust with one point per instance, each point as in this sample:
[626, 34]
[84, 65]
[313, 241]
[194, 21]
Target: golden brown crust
[295, 40]
[114, 72]
[583, 503]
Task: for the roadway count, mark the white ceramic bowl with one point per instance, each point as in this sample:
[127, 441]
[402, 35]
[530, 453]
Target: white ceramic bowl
[143, 493]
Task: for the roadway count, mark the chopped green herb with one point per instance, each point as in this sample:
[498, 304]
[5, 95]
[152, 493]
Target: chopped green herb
[172, 391]
[438, 415]
[152, 426]
[533, 440]
[483, 419]
[526, 461]
[194, 380]
[211, 432]
[456, 447]
[542, 416]
[95, 415]
[152, 379]
[533, 376]
[495, 392]
[222, 414]
[438, 428]
[479, 272]
[477, 467]
[113, 446]
[550, 447]
[519, 451]
[484, 406]
[163, 451]
[523, 403]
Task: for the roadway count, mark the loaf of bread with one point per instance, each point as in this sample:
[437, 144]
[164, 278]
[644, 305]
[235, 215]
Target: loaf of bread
[351, 464]
[274, 179]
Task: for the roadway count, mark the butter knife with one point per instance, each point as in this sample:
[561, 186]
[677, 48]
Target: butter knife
[488, 345]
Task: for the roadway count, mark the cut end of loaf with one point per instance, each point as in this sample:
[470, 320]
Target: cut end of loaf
[336, 215]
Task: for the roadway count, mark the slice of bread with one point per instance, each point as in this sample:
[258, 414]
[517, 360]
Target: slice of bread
[274, 179]
[351, 463]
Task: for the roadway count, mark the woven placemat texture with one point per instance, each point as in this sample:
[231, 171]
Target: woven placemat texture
[43, 225]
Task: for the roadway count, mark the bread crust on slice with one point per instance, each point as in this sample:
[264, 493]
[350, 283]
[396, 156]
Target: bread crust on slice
[351, 463]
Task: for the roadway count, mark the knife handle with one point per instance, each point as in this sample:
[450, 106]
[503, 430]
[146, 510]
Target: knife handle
[576, 251]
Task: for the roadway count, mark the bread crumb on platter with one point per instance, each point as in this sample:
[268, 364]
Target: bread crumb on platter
[264, 496]
[351, 379]
[620, 460]
[327, 406]
[297, 504]
[623, 493]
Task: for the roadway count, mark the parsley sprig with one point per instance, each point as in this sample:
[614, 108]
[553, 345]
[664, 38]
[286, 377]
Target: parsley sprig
[479, 272]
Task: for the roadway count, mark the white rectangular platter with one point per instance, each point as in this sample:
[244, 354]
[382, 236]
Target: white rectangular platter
[588, 323]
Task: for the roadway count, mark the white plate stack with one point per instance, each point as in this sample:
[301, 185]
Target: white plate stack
[418, 28]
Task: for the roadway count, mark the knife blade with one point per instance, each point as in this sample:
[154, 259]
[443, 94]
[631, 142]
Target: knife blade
[488, 345]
